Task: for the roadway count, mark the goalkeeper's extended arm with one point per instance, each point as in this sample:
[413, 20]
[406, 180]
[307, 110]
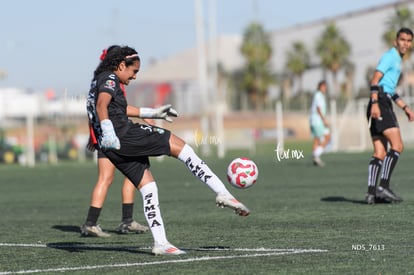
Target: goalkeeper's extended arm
[163, 112]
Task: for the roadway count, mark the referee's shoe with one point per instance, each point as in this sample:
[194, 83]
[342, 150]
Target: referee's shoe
[387, 194]
[370, 198]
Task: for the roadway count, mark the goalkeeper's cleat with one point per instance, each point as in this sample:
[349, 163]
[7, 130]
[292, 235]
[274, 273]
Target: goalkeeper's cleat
[387, 195]
[132, 227]
[166, 249]
[230, 202]
[93, 231]
[369, 198]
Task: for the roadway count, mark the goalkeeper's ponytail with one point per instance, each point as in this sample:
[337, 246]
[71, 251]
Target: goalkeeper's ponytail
[113, 57]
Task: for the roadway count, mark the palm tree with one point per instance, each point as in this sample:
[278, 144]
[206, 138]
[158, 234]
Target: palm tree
[333, 50]
[349, 69]
[403, 17]
[257, 76]
[364, 91]
[297, 62]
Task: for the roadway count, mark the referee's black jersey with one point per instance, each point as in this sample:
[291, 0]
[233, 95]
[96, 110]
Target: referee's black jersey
[108, 82]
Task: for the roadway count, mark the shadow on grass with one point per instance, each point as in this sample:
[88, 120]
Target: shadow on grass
[76, 229]
[79, 247]
[208, 248]
[82, 247]
[67, 228]
[343, 199]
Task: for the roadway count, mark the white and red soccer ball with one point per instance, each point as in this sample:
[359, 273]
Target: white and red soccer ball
[242, 173]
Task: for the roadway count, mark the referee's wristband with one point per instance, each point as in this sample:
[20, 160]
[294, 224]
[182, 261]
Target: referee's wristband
[374, 101]
[374, 88]
[405, 107]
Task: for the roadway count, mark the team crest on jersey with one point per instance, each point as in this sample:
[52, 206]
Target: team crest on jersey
[159, 130]
[110, 84]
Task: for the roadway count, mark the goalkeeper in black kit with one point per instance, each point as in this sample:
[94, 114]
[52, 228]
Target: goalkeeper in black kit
[130, 145]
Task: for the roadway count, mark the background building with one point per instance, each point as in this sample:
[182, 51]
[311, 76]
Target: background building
[363, 30]
[178, 80]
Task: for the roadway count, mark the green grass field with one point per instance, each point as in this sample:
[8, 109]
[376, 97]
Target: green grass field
[304, 220]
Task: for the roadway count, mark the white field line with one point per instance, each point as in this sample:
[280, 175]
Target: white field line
[264, 252]
[42, 245]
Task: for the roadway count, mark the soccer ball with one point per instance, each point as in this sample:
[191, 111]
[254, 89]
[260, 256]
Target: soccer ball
[242, 173]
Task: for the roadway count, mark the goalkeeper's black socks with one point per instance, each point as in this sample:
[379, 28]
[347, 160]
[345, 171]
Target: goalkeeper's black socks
[374, 170]
[93, 215]
[390, 161]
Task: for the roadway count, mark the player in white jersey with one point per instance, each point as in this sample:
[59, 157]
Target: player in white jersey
[319, 125]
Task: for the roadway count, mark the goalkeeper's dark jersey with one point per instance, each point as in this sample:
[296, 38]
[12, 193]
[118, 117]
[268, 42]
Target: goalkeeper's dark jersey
[108, 82]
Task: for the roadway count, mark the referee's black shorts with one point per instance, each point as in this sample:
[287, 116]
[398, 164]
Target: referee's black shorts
[140, 142]
[389, 119]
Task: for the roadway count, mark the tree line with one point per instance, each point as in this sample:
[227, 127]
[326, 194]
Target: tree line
[251, 83]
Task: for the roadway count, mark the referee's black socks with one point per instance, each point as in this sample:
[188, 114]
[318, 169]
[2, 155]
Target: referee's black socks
[374, 170]
[390, 161]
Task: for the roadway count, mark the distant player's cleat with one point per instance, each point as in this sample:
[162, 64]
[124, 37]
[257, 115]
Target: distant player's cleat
[387, 195]
[93, 231]
[132, 227]
[318, 162]
[369, 198]
[166, 249]
[230, 202]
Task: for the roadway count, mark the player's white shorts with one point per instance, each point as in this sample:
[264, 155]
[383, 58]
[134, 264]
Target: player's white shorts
[319, 130]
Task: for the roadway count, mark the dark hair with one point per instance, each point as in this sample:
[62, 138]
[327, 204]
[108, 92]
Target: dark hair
[404, 30]
[105, 51]
[320, 83]
[115, 56]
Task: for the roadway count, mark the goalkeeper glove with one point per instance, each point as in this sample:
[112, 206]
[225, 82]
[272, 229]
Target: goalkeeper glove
[109, 139]
[163, 112]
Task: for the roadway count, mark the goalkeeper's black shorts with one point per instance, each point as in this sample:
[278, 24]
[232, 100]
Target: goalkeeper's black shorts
[139, 143]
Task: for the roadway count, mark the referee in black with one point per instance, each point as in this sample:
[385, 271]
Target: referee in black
[382, 120]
